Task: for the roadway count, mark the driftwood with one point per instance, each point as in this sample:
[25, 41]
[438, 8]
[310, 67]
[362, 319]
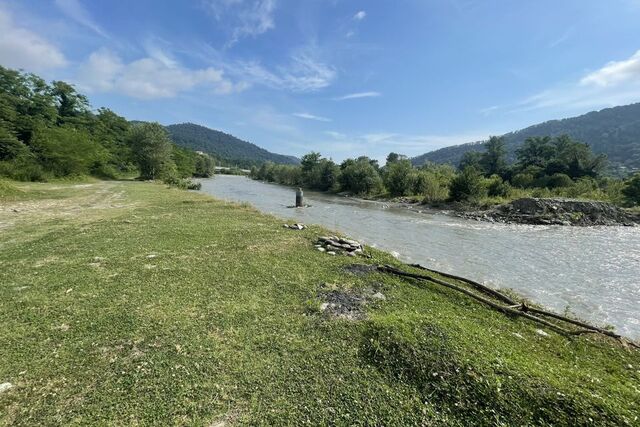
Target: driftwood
[478, 286]
[514, 308]
[502, 308]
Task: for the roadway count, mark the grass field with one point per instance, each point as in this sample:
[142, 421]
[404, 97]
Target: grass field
[126, 303]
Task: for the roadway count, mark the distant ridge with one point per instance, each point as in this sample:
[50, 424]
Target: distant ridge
[228, 148]
[612, 131]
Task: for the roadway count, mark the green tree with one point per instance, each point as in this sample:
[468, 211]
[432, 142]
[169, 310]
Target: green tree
[471, 159]
[205, 166]
[152, 150]
[631, 190]
[398, 178]
[467, 186]
[66, 151]
[494, 160]
[359, 176]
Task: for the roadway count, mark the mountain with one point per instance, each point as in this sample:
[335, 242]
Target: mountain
[227, 148]
[612, 131]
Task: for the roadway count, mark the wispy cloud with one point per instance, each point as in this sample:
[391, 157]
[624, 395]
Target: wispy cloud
[248, 18]
[22, 48]
[360, 15]
[147, 78]
[76, 11]
[311, 117]
[358, 95]
[303, 74]
[616, 83]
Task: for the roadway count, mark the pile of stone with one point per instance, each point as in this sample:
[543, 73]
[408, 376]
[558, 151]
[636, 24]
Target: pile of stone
[336, 245]
[295, 226]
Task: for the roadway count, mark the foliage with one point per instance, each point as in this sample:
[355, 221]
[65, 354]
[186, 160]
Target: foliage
[49, 131]
[397, 177]
[227, 148]
[152, 150]
[467, 186]
[631, 190]
[360, 176]
[614, 132]
[493, 160]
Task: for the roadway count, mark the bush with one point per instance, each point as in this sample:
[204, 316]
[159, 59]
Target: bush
[522, 180]
[558, 180]
[497, 187]
[434, 188]
[468, 186]
[631, 190]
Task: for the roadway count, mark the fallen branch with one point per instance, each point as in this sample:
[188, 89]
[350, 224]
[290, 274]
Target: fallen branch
[502, 308]
[479, 286]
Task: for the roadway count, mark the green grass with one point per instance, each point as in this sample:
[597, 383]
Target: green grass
[130, 303]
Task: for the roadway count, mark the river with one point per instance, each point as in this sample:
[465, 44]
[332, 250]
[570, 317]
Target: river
[592, 271]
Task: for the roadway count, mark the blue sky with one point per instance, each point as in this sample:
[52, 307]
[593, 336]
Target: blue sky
[345, 78]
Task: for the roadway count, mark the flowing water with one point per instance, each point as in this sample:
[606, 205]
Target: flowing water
[592, 271]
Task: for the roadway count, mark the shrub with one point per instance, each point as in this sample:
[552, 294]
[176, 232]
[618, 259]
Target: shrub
[522, 180]
[468, 186]
[558, 180]
[631, 190]
[497, 187]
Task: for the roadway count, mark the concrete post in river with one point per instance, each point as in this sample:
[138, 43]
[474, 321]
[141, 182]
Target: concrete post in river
[299, 198]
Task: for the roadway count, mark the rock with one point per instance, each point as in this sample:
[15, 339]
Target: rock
[5, 386]
[555, 211]
[331, 252]
[541, 333]
[351, 254]
[322, 249]
[379, 296]
[151, 256]
[285, 225]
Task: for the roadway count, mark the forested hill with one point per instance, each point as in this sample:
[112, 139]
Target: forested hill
[612, 131]
[223, 146]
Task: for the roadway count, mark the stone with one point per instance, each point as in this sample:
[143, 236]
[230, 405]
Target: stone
[351, 254]
[541, 333]
[379, 296]
[322, 249]
[5, 386]
[331, 252]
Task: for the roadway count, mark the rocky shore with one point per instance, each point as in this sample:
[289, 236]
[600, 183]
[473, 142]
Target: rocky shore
[555, 211]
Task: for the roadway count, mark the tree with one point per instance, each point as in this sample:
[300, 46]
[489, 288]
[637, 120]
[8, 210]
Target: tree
[397, 177]
[467, 186]
[359, 176]
[471, 159]
[204, 167]
[631, 190]
[535, 151]
[152, 150]
[494, 160]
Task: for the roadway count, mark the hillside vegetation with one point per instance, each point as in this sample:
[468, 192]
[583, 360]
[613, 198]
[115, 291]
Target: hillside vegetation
[229, 149]
[612, 131]
[128, 303]
[49, 131]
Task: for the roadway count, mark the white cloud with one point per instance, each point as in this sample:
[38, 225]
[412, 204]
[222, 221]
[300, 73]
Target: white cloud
[249, 18]
[22, 48]
[147, 78]
[76, 11]
[615, 72]
[303, 74]
[360, 15]
[311, 117]
[358, 95]
[616, 83]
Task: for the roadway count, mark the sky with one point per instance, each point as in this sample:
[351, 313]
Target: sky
[342, 77]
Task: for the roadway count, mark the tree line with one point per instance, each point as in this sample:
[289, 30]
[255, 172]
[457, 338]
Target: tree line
[544, 167]
[50, 131]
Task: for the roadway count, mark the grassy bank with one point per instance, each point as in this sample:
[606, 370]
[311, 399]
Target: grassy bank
[131, 303]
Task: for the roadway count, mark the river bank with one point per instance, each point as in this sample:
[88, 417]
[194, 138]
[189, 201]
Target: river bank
[131, 303]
